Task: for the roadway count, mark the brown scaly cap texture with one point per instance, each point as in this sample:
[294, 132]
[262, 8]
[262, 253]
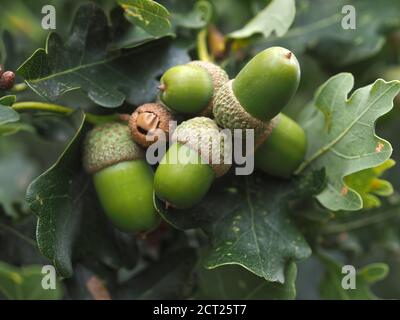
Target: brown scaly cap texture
[107, 145]
[203, 135]
[146, 121]
[218, 76]
[7, 80]
[229, 114]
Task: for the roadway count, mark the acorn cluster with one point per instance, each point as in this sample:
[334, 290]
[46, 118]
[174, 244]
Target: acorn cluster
[202, 95]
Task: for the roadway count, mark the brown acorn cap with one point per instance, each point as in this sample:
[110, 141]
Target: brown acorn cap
[7, 80]
[203, 135]
[145, 122]
[109, 144]
[218, 77]
[229, 114]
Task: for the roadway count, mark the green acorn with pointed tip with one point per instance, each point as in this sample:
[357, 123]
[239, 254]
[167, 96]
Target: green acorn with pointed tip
[259, 92]
[190, 88]
[122, 178]
[283, 150]
[191, 164]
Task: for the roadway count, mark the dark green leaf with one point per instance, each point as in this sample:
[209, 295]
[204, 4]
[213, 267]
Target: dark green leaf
[55, 197]
[236, 283]
[7, 100]
[318, 26]
[248, 223]
[7, 114]
[84, 63]
[341, 135]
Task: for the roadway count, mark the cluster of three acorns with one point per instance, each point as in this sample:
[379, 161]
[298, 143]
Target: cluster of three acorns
[124, 180]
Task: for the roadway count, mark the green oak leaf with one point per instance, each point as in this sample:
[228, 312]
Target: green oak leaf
[25, 283]
[7, 114]
[125, 34]
[54, 198]
[331, 284]
[367, 183]
[84, 62]
[341, 135]
[318, 26]
[236, 283]
[247, 221]
[277, 17]
[8, 100]
[147, 14]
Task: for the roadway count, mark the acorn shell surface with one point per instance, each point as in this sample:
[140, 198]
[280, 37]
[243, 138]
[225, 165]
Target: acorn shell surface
[125, 191]
[284, 150]
[267, 82]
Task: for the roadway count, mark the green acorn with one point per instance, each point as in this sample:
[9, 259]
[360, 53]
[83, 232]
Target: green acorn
[122, 178]
[284, 149]
[190, 88]
[191, 164]
[259, 92]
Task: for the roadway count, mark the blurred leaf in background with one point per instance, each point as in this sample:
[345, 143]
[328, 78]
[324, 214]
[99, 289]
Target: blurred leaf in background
[369, 186]
[25, 283]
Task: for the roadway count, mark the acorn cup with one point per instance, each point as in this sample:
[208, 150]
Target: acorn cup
[258, 93]
[190, 88]
[189, 167]
[122, 178]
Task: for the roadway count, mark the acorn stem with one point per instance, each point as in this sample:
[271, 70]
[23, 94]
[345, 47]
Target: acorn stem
[202, 50]
[19, 87]
[42, 106]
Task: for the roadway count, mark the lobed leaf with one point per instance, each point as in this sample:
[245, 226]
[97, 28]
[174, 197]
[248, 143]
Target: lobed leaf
[235, 283]
[83, 62]
[276, 17]
[248, 223]
[341, 135]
